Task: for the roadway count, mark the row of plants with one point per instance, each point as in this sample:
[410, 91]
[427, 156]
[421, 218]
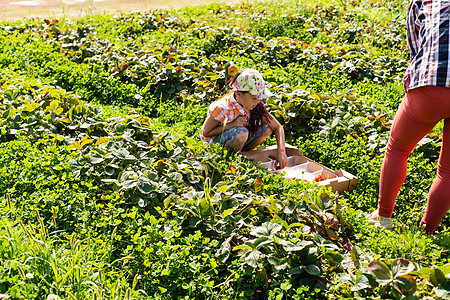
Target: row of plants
[168, 58]
[118, 151]
[113, 174]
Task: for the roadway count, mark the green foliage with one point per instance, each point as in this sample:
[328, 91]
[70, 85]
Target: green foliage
[395, 275]
[34, 265]
[98, 203]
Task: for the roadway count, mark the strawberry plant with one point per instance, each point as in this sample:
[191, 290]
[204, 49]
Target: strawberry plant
[394, 277]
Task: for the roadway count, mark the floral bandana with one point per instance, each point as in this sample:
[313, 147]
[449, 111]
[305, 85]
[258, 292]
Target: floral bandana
[251, 81]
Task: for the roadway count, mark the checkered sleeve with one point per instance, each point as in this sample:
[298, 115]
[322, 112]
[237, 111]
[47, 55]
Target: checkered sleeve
[428, 27]
[413, 27]
[218, 114]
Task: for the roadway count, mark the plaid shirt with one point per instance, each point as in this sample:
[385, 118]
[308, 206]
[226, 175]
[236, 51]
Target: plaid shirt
[427, 28]
[225, 110]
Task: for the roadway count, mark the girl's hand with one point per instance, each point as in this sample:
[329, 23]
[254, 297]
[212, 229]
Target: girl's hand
[239, 122]
[282, 160]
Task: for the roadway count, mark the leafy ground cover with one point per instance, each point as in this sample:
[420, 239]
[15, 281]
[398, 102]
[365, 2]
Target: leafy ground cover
[108, 193]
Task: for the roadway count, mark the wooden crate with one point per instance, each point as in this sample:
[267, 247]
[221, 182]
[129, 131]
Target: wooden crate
[339, 180]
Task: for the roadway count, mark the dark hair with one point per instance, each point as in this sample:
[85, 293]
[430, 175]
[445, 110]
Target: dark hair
[257, 113]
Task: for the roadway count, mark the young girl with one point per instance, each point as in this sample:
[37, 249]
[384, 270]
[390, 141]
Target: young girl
[239, 121]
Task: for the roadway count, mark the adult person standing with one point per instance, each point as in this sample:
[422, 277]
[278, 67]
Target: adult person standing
[426, 102]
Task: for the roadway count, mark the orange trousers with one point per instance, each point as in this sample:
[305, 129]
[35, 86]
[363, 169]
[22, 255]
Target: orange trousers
[421, 109]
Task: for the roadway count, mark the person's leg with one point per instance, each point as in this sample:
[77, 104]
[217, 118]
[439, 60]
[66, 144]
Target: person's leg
[238, 142]
[415, 117]
[255, 139]
[439, 196]
[233, 138]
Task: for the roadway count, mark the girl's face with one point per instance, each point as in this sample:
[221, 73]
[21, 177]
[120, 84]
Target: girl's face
[247, 100]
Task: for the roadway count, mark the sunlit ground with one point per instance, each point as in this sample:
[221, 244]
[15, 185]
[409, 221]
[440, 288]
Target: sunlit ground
[14, 10]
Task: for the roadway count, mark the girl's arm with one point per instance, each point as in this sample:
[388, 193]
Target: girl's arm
[212, 127]
[280, 137]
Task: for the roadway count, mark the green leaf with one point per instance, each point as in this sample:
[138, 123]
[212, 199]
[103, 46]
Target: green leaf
[261, 241]
[380, 271]
[198, 166]
[312, 270]
[320, 241]
[53, 105]
[119, 127]
[109, 170]
[445, 269]
[175, 176]
[224, 251]
[165, 272]
[242, 247]
[406, 284]
[355, 257]
[204, 207]
[273, 261]
[296, 270]
[194, 221]
[252, 257]
[298, 246]
[273, 203]
[168, 201]
[401, 266]
[59, 111]
[145, 187]
[424, 273]
[345, 278]
[128, 184]
[123, 154]
[288, 209]
[292, 225]
[267, 229]
[96, 159]
[362, 283]
[437, 277]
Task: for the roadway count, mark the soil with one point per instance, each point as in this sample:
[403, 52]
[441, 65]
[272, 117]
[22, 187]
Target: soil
[18, 9]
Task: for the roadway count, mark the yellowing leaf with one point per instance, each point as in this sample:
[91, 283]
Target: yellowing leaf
[31, 106]
[222, 189]
[101, 140]
[65, 120]
[53, 105]
[70, 113]
[85, 142]
[232, 71]
[75, 145]
[228, 212]
[232, 169]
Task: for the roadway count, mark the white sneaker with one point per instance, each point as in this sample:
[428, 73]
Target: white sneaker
[378, 220]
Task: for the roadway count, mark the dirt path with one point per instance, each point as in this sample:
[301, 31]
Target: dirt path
[18, 9]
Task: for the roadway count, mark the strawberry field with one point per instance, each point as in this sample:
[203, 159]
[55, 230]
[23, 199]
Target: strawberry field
[107, 192]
